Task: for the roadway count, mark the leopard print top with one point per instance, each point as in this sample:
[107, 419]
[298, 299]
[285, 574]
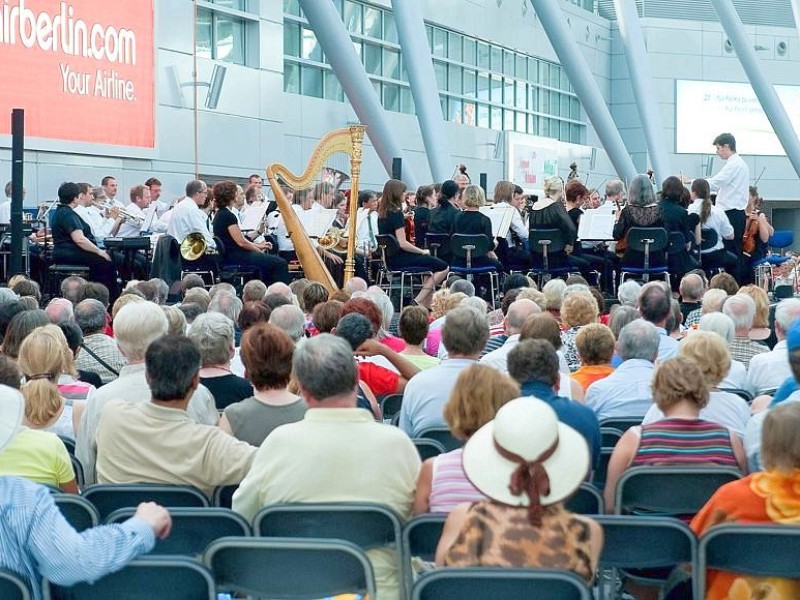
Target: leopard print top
[497, 535]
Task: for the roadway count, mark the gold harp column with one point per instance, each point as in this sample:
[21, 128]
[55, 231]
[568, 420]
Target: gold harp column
[357, 136]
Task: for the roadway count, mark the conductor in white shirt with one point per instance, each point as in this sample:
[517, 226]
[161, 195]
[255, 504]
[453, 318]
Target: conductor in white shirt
[732, 186]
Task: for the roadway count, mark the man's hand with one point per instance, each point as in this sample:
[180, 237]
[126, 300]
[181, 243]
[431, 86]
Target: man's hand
[156, 517]
[334, 258]
[370, 347]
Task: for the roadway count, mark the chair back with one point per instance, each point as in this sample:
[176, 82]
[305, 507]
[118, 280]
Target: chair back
[175, 577]
[479, 583]
[647, 240]
[421, 535]
[435, 241]
[223, 495]
[543, 243]
[289, 567]
[193, 529]
[743, 394]
[669, 490]
[781, 239]
[387, 245]
[78, 511]
[621, 423]
[586, 500]
[69, 443]
[765, 550]
[428, 448]
[645, 542]
[108, 497]
[708, 239]
[77, 466]
[390, 405]
[220, 245]
[469, 247]
[443, 436]
[13, 587]
[677, 243]
[609, 436]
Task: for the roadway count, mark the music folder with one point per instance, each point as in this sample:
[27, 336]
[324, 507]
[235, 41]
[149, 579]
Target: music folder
[252, 217]
[316, 222]
[596, 224]
[500, 216]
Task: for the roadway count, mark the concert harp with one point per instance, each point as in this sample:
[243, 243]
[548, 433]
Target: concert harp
[348, 141]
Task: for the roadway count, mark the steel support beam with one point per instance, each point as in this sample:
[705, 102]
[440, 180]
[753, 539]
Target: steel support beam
[332, 35]
[422, 77]
[767, 96]
[632, 37]
[582, 79]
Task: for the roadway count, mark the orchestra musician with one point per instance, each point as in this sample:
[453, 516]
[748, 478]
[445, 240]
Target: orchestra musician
[444, 215]
[757, 232]
[73, 242]
[129, 224]
[642, 210]
[513, 249]
[678, 220]
[591, 253]
[101, 220]
[188, 215]
[422, 213]
[714, 218]
[392, 222]
[238, 249]
[473, 222]
[550, 213]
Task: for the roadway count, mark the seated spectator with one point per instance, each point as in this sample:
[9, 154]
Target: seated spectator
[176, 320]
[213, 334]
[327, 315]
[544, 327]
[619, 317]
[523, 523]
[628, 293]
[712, 302]
[517, 315]
[20, 327]
[710, 353]
[554, 292]
[162, 290]
[771, 497]
[741, 309]
[723, 326]
[478, 393]
[100, 353]
[626, 392]
[267, 356]
[595, 345]
[291, 319]
[54, 399]
[198, 296]
[28, 288]
[770, 369]
[413, 327]
[333, 451]
[59, 309]
[692, 288]
[36, 455]
[253, 291]
[192, 281]
[725, 282]
[136, 327]
[127, 297]
[655, 306]
[577, 309]
[760, 331]
[370, 309]
[72, 288]
[497, 332]
[156, 441]
[682, 437]
[74, 336]
[314, 294]
[534, 365]
[387, 333]
[464, 334]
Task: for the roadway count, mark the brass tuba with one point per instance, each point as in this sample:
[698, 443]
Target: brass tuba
[193, 246]
[347, 140]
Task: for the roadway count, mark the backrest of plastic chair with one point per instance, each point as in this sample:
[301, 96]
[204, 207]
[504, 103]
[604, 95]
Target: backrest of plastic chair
[77, 466]
[223, 495]
[388, 244]
[621, 423]
[677, 243]
[609, 436]
[270, 567]
[537, 236]
[421, 535]
[782, 238]
[708, 239]
[13, 586]
[434, 241]
[176, 577]
[645, 542]
[390, 405]
[107, 498]
[443, 436]
[220, 245]
[654, 238]
[484, 582]
[459, 243]
[79, 512]
[669, 490]
[586, 500]
[193, 529]
[428, 448]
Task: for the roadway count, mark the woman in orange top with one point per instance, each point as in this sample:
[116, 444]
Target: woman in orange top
[771, 496]
[595, 345]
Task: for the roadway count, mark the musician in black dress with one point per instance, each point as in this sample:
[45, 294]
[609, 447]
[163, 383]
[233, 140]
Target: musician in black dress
[642, 210]
[550, 213]
[238, 249]
[422, 213]
[73, 242]
[473, 222]
[392, 222]
[443, 217]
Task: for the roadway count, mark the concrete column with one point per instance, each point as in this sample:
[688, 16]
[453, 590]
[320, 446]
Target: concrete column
[632, 37]
[581, 78]
[796, 13]
[767, 96]
[332, 35]
[421, 76]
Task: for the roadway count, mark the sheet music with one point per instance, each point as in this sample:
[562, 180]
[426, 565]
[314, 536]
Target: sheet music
[500, 216]
[251, 218]
[317, 222]
[596, 224]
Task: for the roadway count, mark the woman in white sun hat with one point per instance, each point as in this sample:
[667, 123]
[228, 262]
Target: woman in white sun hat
[527, 463]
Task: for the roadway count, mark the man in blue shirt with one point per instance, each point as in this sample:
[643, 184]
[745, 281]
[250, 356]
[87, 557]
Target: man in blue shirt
[655, 306]
[37, 542]
[534, 365]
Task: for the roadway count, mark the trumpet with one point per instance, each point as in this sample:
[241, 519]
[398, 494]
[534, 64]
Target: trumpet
[124, 214]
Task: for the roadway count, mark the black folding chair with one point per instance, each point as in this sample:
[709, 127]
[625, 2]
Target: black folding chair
[622, 424]
[223, 496]
[650, 241]
[443, 436]
[390, 405]
[586, 501]
[13, 586]
[420, 539]
[108, 497]
[78, 511]
[471, 247]
[428, 448]
[435, 241]
[544, 244]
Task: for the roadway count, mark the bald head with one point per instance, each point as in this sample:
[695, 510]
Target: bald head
[281, 289]
[355, 284]
[289, 318]
[691, 288]
[518, 313]
[59, 309]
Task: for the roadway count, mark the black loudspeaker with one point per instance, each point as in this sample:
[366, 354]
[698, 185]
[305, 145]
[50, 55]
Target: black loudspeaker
[483, 182]
[17, 173]
[397, 169]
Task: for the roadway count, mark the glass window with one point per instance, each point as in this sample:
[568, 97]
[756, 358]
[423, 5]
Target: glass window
[352, 16]
[406, 101]
[441, 74]
[483, 87]
[469, 114]
[483, 116]
[469, 83]
[544, 130]
[391, 63]
[454, 79]
[229, 39]
[372, 58]
[403, 72]
[509, 96]
[564, 105]
[454, 110]
[429, 33]
[333, 89]
[533, 70]
[439, 42]
[564, 135]
[522, 122]
[497, 89]
[470, 49]
[484, 54]
[291, 38]
[311, 81]
[574, 109]
[522, 66]
[497, 59]
[311, 48]
[508, 120]
[564, 79]
[544, 73]
[454, 51]
[378, 87]
[555, 76]
[391, 97]
[291, 7]
[575, 133]
[389, 28]
[291, 78]
[544, 102]
[533, 124]
[205, 35]
[234, 4]
[496, 121]
[358, 45]
[554, 110]
[373, 22]
[508, 63]
[522, 96]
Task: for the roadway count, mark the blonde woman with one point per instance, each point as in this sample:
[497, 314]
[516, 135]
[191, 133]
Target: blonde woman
[44, 358]
[550, 213]
[473, 222]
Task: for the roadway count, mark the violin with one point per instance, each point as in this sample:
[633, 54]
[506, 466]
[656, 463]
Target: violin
[622, 245]
[410, 227]
[751, 230]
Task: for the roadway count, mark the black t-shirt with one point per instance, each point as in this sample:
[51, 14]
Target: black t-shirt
[474, 222]
[63, 222]
[222, 220]
[227, 389]
[442, 218]
[393, 221]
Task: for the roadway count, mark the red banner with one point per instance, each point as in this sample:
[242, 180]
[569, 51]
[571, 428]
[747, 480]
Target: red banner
[83, 70]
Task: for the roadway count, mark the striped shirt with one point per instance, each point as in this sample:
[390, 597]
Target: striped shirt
[685, 441]
[36, 541]
[449, 485]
